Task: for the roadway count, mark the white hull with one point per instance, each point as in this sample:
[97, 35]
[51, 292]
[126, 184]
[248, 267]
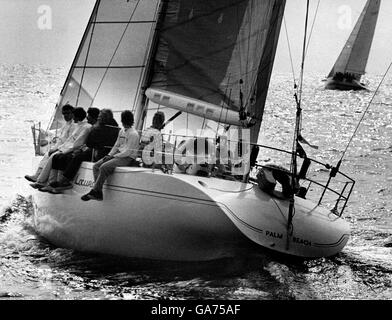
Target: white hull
[149, 214]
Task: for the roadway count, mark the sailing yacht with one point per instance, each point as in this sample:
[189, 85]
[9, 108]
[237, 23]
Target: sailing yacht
[350, 66]
[198, 61]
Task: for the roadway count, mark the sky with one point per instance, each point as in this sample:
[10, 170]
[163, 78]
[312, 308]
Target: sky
[331, 30]
[48, 32]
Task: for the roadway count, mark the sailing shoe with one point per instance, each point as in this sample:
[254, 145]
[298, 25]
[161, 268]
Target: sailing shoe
[66, 184]
[56, 191]
[62, 186]
[37, 185]
[30, 178]
[46, 189]
[96, 195]
[54, 184]
[93, 195]
[86, 197]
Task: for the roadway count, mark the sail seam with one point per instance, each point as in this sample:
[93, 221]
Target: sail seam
[110, 67]
[115, 52]
[125, 22]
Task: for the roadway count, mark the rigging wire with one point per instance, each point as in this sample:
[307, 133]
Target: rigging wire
[298, 97]
[311, 29]
[290, 54]
[248, 51]
[222, 105]
[307, 45]
[300, 90]
[365, 112]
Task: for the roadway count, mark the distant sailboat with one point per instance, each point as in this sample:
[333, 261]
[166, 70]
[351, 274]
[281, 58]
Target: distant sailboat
[210, 60]
[350, 66]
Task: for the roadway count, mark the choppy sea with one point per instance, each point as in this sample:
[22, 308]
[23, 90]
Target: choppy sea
[31, 268]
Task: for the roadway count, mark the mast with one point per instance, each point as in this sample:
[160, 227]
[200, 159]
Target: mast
[297, 133]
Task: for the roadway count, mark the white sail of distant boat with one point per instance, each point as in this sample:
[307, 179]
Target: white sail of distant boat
[351, 64]
[205, 62]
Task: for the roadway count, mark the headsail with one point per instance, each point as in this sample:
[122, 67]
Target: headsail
[110, 63]
[354, 56]
[219, 51]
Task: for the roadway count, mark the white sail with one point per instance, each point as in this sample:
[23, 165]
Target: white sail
[111, 60]
[354, 56]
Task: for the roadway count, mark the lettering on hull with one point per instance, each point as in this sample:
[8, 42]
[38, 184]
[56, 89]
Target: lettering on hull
[274, 234]
[302, 241]
[281, 236]
[84, 182]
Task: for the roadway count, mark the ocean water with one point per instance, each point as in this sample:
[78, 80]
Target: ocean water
[31, 268]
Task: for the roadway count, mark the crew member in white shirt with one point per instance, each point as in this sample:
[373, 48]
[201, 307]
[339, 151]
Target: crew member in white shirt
[74, 141]
[65, 132]
[123, 153]
[66, 151]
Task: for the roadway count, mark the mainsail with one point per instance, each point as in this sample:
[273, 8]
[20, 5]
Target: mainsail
[220, 52]
[217, 51]
[354, 56]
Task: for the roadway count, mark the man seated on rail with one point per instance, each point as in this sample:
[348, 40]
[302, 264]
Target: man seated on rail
[99, 141]
[73, 142]
[64, 133]
[123, 153]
